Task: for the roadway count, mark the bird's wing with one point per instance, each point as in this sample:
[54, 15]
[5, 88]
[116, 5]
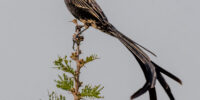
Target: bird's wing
[92, 7]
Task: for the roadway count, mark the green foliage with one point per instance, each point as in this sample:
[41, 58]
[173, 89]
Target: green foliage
[64, 65]
[65, 83]
[90, 59]
[68, 83]
[92, 92]
[54, 96]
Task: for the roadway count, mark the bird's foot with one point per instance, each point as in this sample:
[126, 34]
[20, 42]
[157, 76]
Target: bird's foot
[77, 38]
[79, 27]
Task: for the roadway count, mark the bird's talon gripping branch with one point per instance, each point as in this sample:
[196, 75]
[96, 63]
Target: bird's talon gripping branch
[78, 27]
[85, 28]
[77, 38]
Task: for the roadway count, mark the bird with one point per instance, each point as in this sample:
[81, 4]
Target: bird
[91, 15]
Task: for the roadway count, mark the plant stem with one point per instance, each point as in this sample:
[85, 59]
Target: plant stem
[77, 53]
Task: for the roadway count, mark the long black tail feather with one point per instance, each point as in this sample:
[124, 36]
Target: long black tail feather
[147, 73]
[159, 69]
[152, 91]
[165, 85]
[147, 85]
[148, 68]
[141, 91]
[152, 94]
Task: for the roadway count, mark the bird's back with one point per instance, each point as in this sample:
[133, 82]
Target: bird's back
[90, 13]
[86, 10]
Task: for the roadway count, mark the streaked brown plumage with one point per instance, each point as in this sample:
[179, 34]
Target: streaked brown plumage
[90, 13]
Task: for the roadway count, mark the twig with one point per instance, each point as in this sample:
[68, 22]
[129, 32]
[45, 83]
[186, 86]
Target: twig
[77, 39]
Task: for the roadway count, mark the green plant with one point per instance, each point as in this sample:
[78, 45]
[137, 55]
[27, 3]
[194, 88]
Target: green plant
[70, 79]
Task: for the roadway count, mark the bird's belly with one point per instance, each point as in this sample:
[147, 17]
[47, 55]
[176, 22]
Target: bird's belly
[89, 22]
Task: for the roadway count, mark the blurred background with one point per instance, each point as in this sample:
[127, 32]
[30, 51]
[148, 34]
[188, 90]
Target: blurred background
[33, 33]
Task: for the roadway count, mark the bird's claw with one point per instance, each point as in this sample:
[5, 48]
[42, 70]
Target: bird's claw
[77, 38]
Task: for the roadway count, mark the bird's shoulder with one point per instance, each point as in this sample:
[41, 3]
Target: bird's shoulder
[92, 7]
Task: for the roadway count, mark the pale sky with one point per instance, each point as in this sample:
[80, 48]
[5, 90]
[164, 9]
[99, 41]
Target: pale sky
[34, 32]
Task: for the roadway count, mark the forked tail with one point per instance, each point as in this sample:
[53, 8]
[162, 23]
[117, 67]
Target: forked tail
[150, 69]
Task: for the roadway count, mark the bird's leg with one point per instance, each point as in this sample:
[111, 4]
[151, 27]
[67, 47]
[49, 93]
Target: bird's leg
[76, 37]
[85, 28]
[77, 27]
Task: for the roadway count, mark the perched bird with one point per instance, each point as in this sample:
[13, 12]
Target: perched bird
[90, 14]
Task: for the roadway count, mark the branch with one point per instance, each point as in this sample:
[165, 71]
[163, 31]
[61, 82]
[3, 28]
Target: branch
[79, 62]
[73, 84]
